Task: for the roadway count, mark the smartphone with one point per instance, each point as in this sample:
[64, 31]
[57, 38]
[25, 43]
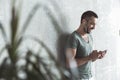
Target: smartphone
[105, 51]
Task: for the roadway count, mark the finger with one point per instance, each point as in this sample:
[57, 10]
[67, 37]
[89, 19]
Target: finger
[94, 50]
[100, 52]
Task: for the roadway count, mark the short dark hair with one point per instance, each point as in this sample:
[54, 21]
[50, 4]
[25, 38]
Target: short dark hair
[88, 14]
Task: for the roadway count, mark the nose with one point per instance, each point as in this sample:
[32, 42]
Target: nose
[92, 27]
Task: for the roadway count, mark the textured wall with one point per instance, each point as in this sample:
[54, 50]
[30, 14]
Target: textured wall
[56, 18]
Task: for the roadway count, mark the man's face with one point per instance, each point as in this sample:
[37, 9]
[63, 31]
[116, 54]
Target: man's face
[90, 24]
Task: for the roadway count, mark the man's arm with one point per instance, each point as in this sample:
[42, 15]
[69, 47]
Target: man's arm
[71, 52]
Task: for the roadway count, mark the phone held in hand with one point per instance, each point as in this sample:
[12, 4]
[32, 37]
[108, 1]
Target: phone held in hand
[105, 51]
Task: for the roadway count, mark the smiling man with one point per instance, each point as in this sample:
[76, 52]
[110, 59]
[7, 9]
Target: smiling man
[80, 47]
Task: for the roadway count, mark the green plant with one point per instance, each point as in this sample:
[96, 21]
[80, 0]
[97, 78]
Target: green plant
[39, 69]
[16, 40]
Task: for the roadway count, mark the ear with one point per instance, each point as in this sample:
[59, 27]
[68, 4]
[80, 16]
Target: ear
[83, 21]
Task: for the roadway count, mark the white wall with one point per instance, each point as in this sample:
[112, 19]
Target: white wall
[67, 14]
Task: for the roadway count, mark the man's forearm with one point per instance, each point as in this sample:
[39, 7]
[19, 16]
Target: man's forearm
[78, 61]
[81, 61]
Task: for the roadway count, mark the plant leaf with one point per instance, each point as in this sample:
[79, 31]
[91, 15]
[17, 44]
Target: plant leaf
[3, 33]
[14, 24]
[1, 51]
[31, 15]
[53, 20]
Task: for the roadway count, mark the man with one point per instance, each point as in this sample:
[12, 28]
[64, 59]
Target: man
[80, 47]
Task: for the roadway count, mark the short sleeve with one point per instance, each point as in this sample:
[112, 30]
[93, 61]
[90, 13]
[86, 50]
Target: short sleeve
[72, 42]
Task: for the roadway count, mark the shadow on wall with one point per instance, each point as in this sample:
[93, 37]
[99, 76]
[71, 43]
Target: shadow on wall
[61, 46]
[58, 26]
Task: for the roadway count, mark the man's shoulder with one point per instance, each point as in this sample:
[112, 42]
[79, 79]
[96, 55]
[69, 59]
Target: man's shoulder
[73, 33]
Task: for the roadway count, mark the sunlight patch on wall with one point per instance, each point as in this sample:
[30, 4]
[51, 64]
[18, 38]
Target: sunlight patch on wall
[114, 21]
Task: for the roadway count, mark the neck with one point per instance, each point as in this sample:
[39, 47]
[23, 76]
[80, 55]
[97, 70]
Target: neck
[81, 31]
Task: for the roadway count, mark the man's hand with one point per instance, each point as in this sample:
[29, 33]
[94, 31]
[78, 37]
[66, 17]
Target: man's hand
[97, 55]
[94, 55]
[102, 54]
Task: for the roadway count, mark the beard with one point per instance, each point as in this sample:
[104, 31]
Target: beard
[86, 30]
